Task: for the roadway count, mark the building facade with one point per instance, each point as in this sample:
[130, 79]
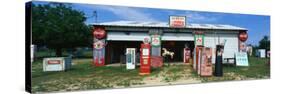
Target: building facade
[119, 35]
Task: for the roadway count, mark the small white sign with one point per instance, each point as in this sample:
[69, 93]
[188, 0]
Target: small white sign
[241, 59]
[145, 51]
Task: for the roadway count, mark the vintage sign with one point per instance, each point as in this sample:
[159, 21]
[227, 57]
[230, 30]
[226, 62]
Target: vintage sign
[241, 59]
[199, 39]
[155, 40]
[53, 64]
[146, 40]
[56, 64]
[243, 47]
[177, 21]
[243, 36]
[99, 53]
[99, 32]
[54, 61]
[99, 45]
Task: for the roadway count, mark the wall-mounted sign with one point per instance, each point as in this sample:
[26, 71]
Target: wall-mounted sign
[99, 45]
[99, 32]
[155, 40]
[243, 36]
[199, 39]
[177, 21]
[241, 59]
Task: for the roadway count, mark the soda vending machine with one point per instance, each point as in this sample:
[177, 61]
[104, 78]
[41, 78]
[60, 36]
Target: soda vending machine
[186, 55]
[145, 59]
[131, 58]
[206, 64]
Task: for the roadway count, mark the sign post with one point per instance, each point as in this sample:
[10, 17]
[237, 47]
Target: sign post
[99, 46]
[156, 58]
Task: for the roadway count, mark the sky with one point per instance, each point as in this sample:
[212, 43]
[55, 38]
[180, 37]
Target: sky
[257, 25]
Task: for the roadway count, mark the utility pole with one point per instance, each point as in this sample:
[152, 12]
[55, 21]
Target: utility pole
[95, 14]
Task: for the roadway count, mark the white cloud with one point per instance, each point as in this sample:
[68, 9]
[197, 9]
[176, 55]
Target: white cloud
[127, 13]
[196, 17]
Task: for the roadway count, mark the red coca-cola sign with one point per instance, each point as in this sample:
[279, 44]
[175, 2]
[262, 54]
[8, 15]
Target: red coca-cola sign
[99, 32]
[243, 36]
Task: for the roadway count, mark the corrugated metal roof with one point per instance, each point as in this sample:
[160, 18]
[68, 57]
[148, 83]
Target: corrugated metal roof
[163, 24]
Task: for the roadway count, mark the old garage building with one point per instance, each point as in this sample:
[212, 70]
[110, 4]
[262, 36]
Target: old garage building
[120, 35]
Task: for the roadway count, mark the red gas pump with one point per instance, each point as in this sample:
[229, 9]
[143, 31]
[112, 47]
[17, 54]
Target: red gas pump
[145, 59]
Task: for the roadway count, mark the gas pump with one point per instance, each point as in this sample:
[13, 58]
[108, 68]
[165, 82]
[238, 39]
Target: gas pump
[206, 64]
[199, 46]
[131, 58]
[199, 52]
[186, 55]
[218, 64]
[145, 59]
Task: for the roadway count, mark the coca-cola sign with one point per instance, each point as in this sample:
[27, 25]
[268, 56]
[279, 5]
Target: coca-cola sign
[243, 36]
[99, 32]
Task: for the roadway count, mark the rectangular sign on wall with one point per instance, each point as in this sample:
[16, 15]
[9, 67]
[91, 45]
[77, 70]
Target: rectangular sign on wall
[177, 21]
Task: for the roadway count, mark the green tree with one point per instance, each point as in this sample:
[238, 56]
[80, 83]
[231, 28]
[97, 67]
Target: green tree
[264, 43]
[59, 26]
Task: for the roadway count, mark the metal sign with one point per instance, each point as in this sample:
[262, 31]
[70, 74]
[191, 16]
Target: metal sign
[241, 59]
[199, 39]
[146, 40]
[53, 64]
[131, 58]
[99, 45]
[177, 21]
[243, 36]
[155, 40]
[99, 32]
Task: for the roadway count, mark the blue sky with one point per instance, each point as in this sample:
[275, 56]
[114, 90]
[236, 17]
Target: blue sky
[257, 25]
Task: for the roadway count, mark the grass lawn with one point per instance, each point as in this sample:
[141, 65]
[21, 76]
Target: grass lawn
[84, 76]
[257, 69]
